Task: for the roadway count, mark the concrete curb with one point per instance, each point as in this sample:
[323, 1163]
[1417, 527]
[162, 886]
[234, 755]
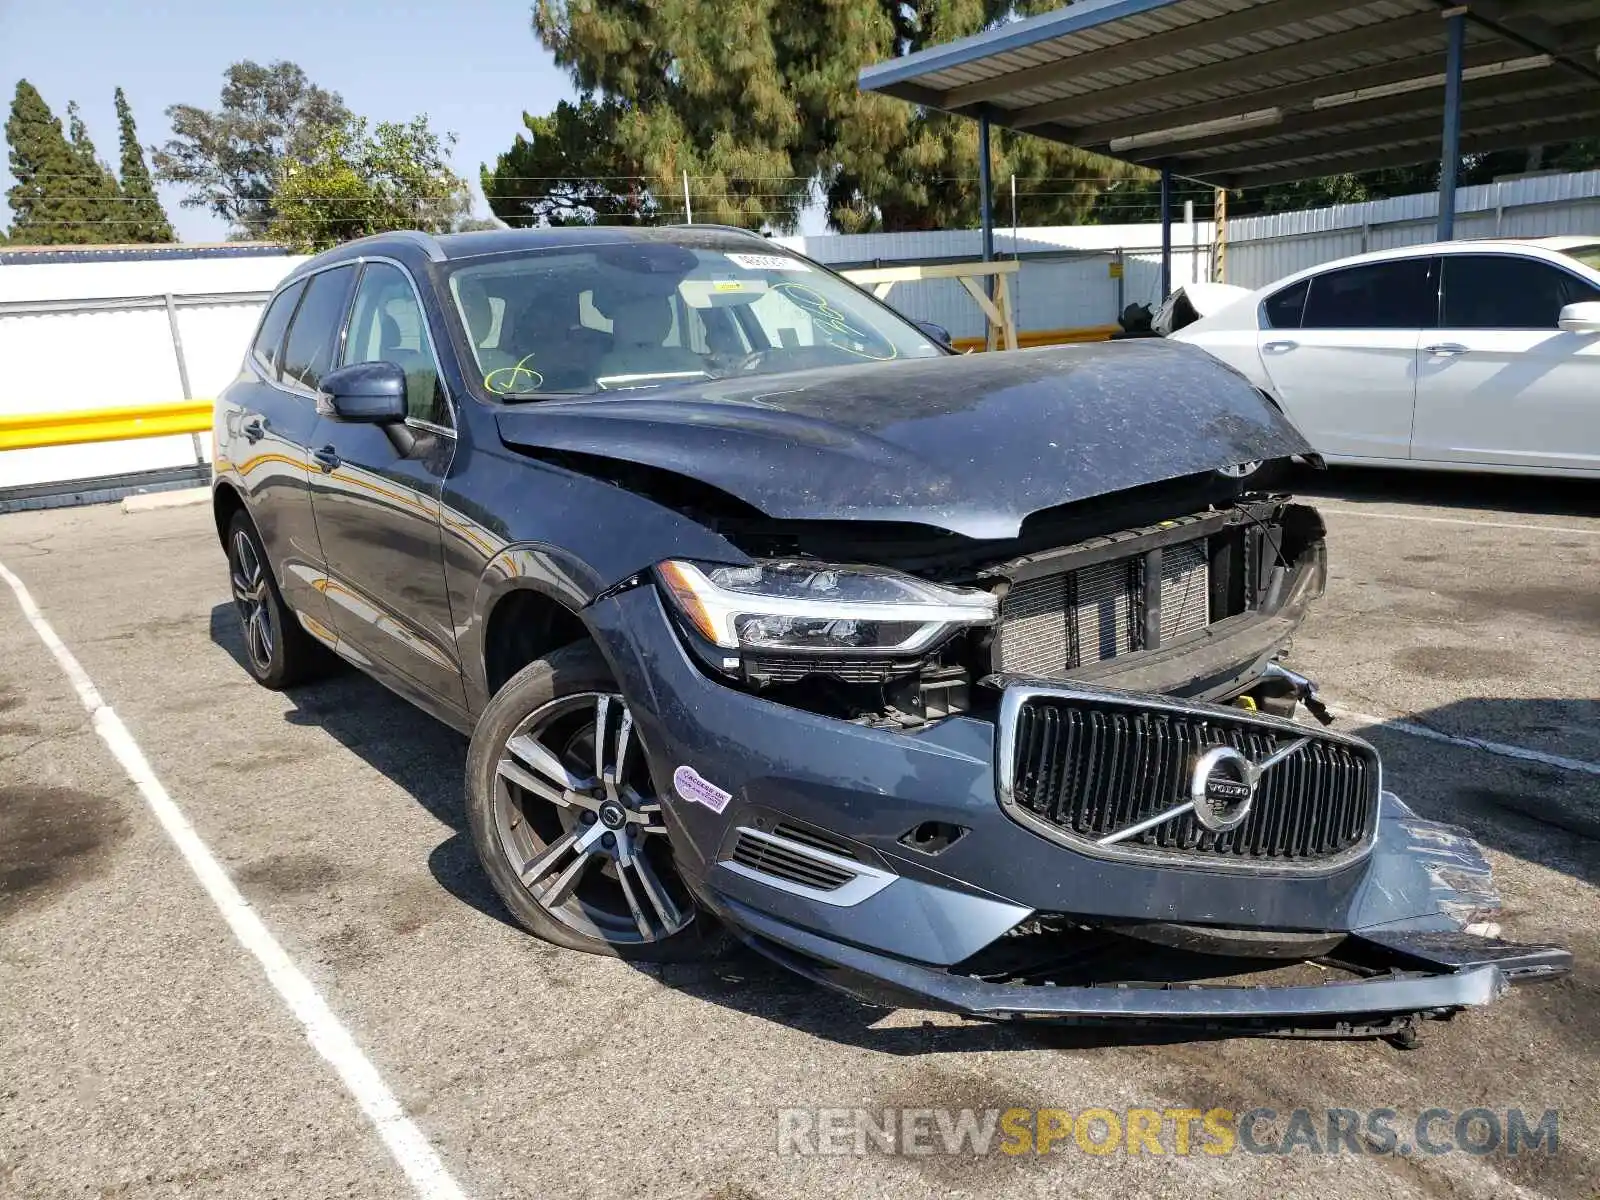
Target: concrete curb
[179, 498]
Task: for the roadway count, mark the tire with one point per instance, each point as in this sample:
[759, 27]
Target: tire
[580, 857]
[278, 653]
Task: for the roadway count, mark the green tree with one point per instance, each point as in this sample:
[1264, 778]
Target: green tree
[230, 158]
[101, 218]
[569, 170]
[351, 184]
[146, 220]
[45, 204]
[757, 101]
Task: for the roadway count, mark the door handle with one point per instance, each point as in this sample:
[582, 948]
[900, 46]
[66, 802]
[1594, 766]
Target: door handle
[1280, 345]
[1446, 349]
[254, 429]
[327, 458]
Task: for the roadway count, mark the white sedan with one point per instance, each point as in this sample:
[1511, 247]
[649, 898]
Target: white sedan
[1459, 355]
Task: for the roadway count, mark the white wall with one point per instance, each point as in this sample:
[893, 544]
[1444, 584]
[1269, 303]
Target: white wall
[98, 356]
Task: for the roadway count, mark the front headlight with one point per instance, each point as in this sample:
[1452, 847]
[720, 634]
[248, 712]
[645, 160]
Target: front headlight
[793, 605]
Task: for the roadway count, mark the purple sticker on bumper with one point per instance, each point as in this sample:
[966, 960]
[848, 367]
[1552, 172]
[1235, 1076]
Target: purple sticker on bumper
[692, 787]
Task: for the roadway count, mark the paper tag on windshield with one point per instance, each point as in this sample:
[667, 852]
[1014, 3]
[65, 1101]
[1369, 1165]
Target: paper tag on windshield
[767, 262]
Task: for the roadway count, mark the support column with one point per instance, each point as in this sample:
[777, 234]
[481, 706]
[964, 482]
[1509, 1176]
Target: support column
[1450, 151]
[985, 190]
[1166, 230]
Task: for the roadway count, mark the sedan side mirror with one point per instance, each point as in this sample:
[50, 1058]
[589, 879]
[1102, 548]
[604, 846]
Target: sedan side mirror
[373, 392]
[937, 332]
[1581, 318]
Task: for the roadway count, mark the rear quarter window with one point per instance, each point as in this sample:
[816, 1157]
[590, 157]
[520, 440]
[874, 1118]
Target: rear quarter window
[1283, 309]
[267, 349]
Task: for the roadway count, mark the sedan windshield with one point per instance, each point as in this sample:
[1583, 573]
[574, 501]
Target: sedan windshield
[651, 314]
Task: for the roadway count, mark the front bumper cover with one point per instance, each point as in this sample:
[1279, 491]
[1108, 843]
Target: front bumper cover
[1443, 973]
[1400, 910]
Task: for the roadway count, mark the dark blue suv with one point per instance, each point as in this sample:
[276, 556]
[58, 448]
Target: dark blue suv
[942, 677]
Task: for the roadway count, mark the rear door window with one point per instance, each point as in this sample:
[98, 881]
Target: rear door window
[1502, 291]
[1382, 295]
[310, 349]
[268, 347]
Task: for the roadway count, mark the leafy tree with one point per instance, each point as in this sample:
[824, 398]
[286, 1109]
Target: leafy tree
[145, 219]
[569, 170]
[351, 184]
[757, 101]
[46, 200]
[231, 158]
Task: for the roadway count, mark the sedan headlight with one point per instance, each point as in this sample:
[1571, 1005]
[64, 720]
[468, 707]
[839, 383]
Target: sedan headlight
[794, 605]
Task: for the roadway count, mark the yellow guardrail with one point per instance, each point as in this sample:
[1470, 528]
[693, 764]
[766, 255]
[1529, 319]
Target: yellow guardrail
[30, 431]
[1048, 337]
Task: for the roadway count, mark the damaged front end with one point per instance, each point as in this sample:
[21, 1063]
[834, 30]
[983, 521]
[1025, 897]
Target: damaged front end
[978, 703]
[1186, 791]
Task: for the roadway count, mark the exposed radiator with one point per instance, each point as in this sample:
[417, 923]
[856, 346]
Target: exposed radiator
[1052, 624]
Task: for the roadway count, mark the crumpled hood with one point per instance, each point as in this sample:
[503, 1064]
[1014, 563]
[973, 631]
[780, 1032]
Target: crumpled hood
[971, 444]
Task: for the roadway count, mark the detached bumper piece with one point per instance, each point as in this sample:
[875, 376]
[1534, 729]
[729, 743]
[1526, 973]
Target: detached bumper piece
[1384, 985]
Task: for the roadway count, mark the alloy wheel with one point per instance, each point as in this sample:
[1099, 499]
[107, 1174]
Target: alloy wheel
[581, 823]
[249, 579]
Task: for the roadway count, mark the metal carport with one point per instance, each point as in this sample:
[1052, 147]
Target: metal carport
[1242, 93]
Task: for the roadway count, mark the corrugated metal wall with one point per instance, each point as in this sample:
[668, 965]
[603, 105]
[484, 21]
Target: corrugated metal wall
[1262, 249]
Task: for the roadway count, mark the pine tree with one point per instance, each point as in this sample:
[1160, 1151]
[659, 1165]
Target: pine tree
[100, 202]
[44, 209]
[147, 219]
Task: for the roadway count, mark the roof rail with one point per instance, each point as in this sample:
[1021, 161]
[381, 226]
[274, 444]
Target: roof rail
[426, 242]
[723, 228]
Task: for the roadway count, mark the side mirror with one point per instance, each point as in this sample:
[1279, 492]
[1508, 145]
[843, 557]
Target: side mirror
[937, 332]
[1581, 318]
[373, 392]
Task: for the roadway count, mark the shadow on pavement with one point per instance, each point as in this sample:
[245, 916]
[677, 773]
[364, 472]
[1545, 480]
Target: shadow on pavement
[416, 753]
[1518, 494]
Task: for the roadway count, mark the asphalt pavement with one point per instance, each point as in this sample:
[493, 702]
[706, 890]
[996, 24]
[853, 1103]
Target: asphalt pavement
[145, 1052]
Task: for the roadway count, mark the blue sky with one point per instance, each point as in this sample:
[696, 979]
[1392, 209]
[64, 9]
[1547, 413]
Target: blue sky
[473, 66]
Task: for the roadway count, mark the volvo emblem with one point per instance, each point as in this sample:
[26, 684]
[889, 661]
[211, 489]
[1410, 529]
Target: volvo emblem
[1222, 788]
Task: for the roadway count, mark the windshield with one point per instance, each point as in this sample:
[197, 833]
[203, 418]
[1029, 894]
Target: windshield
[1588, 255]
[651, 314]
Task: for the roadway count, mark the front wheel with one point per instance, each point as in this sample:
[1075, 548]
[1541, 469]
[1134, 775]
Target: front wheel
[568, 822]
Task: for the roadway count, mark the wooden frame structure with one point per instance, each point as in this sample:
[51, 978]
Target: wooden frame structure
[998, 311]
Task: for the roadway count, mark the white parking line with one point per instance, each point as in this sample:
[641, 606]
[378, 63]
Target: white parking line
[1503, 749]
[1593, 530]
[326, 1033]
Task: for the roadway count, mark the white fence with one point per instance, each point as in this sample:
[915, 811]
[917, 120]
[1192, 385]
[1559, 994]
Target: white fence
[101, 334]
